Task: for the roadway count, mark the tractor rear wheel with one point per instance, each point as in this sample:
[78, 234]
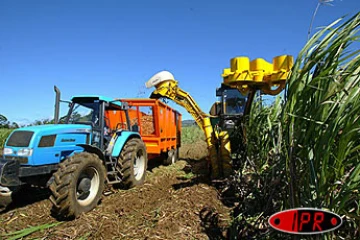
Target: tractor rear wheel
[78, 185]
[132, 163]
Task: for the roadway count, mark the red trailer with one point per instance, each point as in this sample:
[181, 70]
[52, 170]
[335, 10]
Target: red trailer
[158, 124]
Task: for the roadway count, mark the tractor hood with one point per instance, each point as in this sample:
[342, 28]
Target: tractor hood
[46, 144]
[57, 128]
[31, 136]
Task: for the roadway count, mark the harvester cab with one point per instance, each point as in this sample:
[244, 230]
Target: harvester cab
[231, 107]
[76, 156]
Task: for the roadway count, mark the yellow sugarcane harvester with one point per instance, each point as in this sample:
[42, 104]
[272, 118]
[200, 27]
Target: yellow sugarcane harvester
[240, 84]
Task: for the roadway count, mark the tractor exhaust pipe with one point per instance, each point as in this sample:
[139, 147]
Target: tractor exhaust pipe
[57, 105]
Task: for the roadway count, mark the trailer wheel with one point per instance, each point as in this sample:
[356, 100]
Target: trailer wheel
[172, 157]
[133, 163]
[6, 196]
[78, 185]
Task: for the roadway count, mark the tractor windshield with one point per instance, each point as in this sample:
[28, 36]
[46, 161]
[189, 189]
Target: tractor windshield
[234, 102]
[84, 113]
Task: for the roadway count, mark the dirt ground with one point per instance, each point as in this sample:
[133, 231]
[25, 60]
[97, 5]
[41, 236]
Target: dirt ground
[176, 202]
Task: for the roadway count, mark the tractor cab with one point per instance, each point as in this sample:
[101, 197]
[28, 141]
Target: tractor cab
[96, 111]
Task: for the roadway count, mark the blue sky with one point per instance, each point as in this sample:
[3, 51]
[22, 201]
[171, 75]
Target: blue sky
[113, 47]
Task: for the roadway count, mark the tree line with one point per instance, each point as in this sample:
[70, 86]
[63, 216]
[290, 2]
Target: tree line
[6, 124]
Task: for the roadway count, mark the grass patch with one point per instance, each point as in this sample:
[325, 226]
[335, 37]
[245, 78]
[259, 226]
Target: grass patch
[192, 134]
[4, 133]
[189, 175]
[27, 231]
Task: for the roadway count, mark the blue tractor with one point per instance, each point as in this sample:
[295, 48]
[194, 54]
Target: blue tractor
[75, 158]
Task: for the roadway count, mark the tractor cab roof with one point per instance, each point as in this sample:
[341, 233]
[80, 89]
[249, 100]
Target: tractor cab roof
[83, 99]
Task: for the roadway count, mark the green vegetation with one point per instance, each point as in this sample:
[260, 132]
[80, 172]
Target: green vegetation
[4, 133]
[191, 134]
[4, 123]
[260, 184]
[27, 231]
[305, 152]
[321, 140]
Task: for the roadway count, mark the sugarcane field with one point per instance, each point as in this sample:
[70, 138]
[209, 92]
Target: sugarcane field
[181, 120]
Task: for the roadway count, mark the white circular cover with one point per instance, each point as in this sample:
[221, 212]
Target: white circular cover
[158, 78]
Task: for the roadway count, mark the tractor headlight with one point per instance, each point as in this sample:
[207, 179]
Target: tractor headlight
[25, 152]
[8, 151]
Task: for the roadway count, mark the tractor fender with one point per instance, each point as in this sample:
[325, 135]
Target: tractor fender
[123, 137]
[92, 149]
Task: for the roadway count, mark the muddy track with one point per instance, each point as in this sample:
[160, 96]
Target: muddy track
[175, 202]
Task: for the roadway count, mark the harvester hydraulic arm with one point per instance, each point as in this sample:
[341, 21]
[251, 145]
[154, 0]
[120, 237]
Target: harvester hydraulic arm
[170, 90]
[167, 87]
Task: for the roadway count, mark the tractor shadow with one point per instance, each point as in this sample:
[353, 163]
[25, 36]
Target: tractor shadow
[154, 163]
[24, 197]
[196, 171]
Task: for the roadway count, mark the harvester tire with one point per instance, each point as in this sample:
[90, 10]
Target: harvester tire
[132, 163]
[172, 157]
[78, 185]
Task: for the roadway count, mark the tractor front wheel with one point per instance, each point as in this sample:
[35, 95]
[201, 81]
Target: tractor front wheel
[78, 185]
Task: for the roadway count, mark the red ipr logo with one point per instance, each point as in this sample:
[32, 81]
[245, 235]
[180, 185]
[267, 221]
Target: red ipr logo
[305, 221]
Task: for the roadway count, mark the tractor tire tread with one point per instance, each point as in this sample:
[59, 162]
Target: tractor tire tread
[64, 206]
